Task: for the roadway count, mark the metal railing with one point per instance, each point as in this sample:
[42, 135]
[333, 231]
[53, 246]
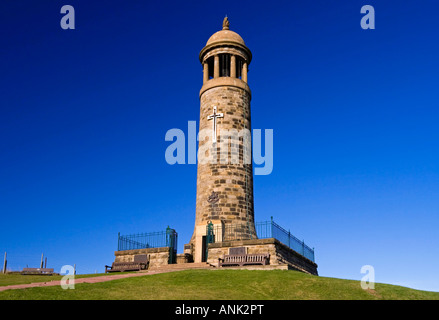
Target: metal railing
[263, 230]
[270, 229]
[159, 239]
[234, 232]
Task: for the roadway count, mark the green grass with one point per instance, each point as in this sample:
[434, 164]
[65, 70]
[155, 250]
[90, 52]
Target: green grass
[223, 285]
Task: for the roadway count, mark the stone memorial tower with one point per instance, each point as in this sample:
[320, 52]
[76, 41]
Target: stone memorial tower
[225, 232]
[225, 175]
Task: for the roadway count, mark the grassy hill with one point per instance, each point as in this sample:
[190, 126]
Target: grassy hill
[217, 285]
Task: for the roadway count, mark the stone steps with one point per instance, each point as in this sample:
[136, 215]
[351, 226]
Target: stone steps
[206, 266]
[192, 265]
[179, 267]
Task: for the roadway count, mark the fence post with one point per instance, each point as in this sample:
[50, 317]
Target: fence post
[289, 237]
[303, 247]
[272, 226]
[168, 237]
[4, 264]
[118, 241]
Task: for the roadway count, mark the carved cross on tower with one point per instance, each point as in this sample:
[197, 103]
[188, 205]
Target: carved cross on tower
[214, 116]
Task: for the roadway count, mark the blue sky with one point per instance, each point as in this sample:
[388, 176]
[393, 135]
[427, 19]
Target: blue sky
[84, 113]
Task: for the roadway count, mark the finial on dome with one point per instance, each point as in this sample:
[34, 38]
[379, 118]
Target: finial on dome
[226, 23]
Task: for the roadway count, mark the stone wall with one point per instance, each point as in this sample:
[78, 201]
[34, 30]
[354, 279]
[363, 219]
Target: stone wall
[280, 254]
[184, 258]
[157, 256]
[218, 250]
[286, 255]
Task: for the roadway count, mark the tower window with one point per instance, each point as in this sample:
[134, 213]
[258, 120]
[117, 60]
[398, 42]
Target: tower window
[210, 64]
[224, 60]
[239, 64]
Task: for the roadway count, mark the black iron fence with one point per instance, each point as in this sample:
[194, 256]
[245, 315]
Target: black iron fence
[228, 232]
[263, 230]
[167, 238]
[270, 229]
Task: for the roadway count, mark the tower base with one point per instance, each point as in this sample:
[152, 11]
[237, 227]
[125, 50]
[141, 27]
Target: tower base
[280, 254]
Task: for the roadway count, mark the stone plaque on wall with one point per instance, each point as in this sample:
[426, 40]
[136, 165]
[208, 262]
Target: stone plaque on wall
[140, 258]
[237, 251]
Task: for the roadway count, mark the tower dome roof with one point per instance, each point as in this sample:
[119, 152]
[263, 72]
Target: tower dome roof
[225, 36]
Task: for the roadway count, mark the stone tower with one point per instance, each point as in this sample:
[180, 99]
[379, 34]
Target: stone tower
[224, 180]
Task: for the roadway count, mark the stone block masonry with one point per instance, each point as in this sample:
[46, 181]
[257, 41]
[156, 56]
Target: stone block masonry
[233, 182]
[157, 256]
[280, 254]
